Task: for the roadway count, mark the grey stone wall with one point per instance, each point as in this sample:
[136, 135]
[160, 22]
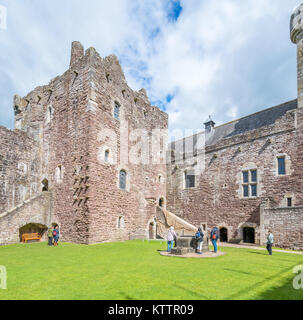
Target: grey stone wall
[286, 225]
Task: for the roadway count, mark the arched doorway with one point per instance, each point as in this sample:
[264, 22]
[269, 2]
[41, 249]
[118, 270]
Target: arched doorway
[248, 235]
[44, 185]
[151, 230]
[32, 228]
[223, 235]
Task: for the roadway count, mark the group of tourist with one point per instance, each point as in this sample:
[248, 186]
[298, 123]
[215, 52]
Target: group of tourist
[214, 236]
[53, 235]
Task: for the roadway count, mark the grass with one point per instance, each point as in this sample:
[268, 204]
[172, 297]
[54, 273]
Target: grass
[135, 270]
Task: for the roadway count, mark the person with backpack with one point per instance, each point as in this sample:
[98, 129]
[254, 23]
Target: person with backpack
[56, 235]
[50, 235]
[171, 235]
[214, 235]
[199, 237]
[270, 242]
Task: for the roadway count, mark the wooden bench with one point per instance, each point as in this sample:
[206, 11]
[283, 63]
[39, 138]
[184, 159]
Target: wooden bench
[30, 236]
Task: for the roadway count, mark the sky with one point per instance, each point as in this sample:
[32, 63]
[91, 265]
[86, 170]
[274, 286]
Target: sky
[224, 58]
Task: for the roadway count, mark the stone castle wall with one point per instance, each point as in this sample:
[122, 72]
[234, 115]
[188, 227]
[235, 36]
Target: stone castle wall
[117, 214]
[286, 224]
[217, 198]
[64, 121]
[36, 211]
[19, 169]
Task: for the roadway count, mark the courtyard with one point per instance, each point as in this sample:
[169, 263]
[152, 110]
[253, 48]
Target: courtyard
[135, 270]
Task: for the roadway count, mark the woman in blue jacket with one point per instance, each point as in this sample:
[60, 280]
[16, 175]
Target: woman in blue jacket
[56, 235]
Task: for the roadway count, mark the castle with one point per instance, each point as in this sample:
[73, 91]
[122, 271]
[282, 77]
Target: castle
[91, 154]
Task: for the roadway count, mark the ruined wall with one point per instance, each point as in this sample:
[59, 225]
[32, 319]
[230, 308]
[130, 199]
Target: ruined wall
[286, 224]
[217, 198]
[55, 116]
[19, 169]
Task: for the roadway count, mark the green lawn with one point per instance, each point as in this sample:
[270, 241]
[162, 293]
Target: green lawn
[135, 270]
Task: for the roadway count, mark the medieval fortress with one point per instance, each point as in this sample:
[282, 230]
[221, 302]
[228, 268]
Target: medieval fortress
[92, 155]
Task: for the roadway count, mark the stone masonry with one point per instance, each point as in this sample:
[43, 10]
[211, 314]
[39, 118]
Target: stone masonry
[91, 154]
[62, 132]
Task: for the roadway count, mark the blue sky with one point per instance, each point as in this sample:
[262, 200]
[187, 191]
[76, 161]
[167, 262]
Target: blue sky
[225, 58]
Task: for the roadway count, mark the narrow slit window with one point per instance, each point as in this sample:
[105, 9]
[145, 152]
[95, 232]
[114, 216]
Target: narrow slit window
[123, 180]
[117, 111]
[106, 156]
[289, 202]
[281, 166]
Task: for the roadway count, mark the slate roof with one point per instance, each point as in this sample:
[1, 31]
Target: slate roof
[251, 122]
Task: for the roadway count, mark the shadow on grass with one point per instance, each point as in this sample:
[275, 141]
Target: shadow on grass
[283, 292]
[242, 272]
[262, 253]
[126, 296]
[199, 296]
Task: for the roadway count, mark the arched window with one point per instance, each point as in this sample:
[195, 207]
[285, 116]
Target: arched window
[123, 180]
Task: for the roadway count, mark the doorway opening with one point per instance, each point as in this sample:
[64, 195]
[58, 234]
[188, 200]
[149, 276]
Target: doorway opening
[249, 235]
[223, 235]
[151, 231]
[44, 185]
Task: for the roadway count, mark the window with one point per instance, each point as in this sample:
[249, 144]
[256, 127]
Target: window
[117, 111]
[245, 191]
[281, 166]
[123, 180]
[289, 202]
[106, 156]
[249, 183]
[161, 202]
[189, 180]
[121, 223]
[49, 115]
[59, 174]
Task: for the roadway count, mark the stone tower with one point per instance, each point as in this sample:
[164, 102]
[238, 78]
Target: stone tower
[296, 35]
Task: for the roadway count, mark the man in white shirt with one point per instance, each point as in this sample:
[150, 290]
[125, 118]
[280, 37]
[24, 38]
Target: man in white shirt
[270, 242]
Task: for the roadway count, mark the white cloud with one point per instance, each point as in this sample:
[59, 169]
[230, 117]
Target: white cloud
[226, 58]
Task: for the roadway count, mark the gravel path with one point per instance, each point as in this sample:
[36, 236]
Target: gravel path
[256, 248]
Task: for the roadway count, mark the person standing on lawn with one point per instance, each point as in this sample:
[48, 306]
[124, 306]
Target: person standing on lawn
[214, 235]
[171, 235]
[50, 235]
[56, 235]
[270, 242]
[199, 237]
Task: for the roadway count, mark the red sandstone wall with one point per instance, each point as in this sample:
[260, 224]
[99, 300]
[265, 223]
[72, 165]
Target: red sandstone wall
[87, 201]
[107, 202]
